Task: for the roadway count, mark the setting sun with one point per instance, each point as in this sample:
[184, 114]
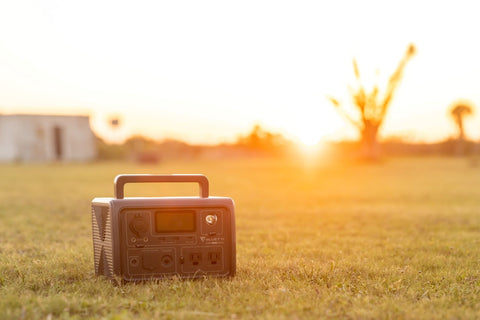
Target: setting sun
[308, 135]
[313, 124]
[308, 139]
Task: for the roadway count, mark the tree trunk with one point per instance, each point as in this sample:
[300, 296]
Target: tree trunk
[460, 146]
[461, 132]
[370, 146]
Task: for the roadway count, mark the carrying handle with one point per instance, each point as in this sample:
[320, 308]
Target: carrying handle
[122, 179]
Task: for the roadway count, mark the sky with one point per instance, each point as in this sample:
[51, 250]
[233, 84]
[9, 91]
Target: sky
[207, 71]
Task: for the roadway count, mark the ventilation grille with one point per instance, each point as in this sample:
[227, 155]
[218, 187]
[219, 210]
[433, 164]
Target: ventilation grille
[102, 240]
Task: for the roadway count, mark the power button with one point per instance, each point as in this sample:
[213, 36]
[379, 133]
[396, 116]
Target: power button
[139, 226]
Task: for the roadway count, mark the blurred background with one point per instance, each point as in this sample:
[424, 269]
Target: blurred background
[150, 80]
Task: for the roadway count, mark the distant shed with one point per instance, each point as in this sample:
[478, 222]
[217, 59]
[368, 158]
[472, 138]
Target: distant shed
[46, 138]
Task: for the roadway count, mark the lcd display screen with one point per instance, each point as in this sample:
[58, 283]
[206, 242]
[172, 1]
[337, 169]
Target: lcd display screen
[174, 221]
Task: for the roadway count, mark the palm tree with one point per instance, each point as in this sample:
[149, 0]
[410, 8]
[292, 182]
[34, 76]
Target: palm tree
[373, 106]
[459, 111]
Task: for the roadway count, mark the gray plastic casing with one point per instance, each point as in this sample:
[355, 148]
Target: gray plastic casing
[126, 243]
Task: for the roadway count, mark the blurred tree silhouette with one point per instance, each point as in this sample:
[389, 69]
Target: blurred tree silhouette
[373, 106]
[459, 110]
[259, 139]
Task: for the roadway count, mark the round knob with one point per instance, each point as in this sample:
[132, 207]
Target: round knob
[139, 225]
[211, 219]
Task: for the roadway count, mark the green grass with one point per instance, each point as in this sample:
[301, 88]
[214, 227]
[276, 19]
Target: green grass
[396, 240]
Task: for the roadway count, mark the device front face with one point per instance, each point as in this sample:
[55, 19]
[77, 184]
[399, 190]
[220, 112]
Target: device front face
[187, 241]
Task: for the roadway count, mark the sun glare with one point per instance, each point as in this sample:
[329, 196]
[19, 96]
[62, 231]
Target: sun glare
[309, 139]
[314, 123]
[309, 145]
[309, 131]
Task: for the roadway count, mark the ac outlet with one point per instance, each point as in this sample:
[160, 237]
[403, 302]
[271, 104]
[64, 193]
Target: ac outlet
[195, 258]
[214, 257]
[205, 259]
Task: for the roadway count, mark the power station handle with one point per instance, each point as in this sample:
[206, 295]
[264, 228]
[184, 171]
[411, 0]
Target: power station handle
[122, 179]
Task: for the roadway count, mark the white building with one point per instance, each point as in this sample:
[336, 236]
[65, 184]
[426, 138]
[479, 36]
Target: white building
[43, 138]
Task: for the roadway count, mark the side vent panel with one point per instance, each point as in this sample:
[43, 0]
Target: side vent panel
[102, 240]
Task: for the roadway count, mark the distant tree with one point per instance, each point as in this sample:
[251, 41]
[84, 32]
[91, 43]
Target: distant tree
[142, 149]
[110, 151]
[259, 139]
[459, 110]
[373, 106]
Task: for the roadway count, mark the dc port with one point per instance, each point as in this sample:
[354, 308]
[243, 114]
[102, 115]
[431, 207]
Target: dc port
[134, 262]
[166, 261]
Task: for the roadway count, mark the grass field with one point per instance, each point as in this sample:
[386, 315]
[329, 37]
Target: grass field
[400, 239]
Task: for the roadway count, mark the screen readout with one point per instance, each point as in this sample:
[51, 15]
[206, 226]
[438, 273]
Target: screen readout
[175, 221]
